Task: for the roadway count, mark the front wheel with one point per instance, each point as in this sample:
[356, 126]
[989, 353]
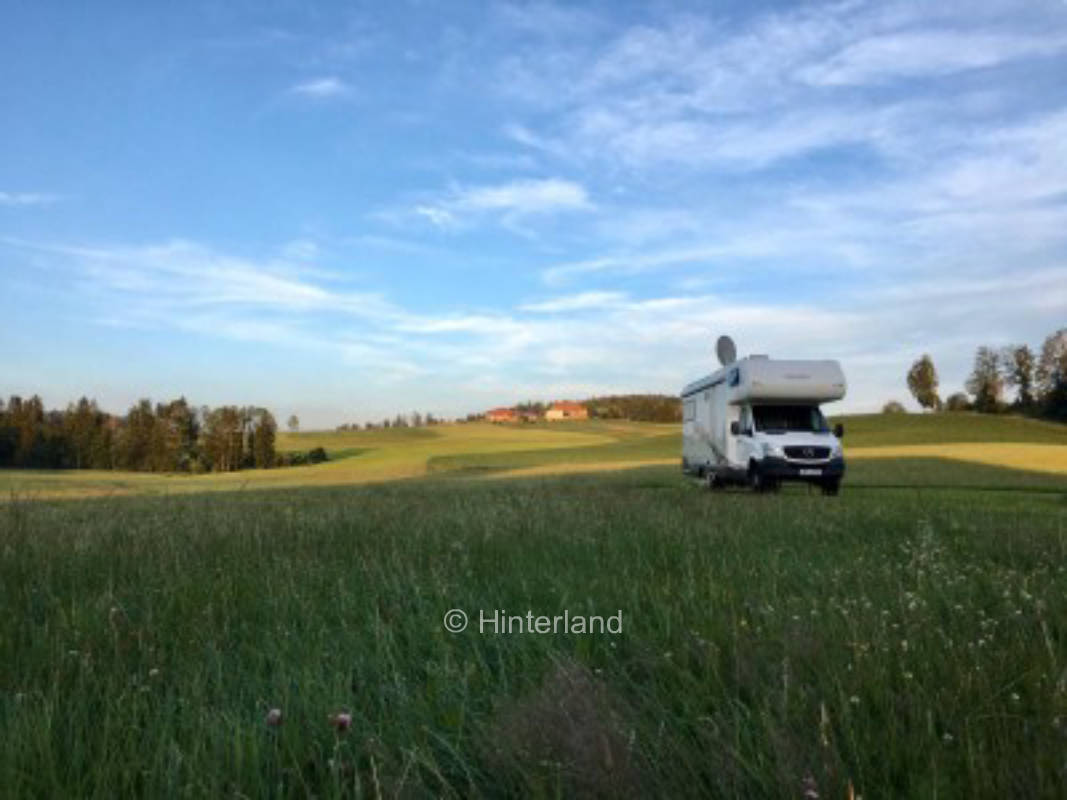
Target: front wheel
[756, 482]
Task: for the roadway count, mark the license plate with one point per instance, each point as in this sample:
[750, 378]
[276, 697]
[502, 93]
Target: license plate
[810, 472]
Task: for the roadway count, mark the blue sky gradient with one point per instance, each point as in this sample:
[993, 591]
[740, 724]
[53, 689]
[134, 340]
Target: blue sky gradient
[348, 210]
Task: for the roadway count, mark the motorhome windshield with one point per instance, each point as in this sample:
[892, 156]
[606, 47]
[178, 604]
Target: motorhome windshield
[782, 419]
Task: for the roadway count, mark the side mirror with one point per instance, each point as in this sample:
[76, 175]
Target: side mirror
[839, 431]
[735, 429]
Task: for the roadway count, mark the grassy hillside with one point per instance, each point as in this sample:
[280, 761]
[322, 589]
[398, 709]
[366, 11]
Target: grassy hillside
[909, 643]
[382, 455]
[369, 456]
[870, 430]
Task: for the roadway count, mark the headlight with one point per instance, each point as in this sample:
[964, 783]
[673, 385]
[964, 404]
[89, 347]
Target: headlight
[837, 451]
[773, 450]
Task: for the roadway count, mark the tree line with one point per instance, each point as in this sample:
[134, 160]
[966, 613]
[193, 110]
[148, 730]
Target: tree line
[413, 420]
[637, 407]
[165, 437]
[1039, 381]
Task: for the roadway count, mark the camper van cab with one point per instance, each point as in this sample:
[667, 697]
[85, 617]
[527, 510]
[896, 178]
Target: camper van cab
[758, 421]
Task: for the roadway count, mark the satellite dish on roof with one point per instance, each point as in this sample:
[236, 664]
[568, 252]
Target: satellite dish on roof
[726, 350]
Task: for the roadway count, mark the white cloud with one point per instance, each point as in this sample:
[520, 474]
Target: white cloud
[575, 302]
[321, 88]
[441, 217]
[916, 54]
[525, 197]
[602, 340]
[26, 199]
[710, 94]
[511, 201]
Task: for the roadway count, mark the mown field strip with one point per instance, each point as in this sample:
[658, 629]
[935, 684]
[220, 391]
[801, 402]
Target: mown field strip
[578, 467]
[1050, 458]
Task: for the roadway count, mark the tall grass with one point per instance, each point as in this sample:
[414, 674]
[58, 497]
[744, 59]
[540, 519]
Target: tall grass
[911, 643]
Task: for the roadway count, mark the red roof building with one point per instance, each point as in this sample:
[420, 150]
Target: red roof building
[566, 410]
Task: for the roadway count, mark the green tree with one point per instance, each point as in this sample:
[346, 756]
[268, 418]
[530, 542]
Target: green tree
[1019, 362]
[28, 418]
[922, 382]
[894, 407]
[1052, 376]
[135, 440]
[293, 423]
[986, 382]
[9, 435]
[1052, 365]
[80, 427]
[223, 440]
[263, 455]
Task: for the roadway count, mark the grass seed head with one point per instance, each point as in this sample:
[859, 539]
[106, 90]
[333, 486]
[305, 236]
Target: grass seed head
[342, 721]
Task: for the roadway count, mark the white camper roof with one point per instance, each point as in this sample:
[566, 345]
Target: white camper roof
[761, 379]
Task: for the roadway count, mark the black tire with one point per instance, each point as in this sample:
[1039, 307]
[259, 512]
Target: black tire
[714, 482]
[756, 481]
[831, 488]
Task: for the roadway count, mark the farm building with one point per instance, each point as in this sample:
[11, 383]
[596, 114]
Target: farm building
[566, 410]
[501, 415]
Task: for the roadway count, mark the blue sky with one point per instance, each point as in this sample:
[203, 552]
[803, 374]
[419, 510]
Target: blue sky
[348, 210]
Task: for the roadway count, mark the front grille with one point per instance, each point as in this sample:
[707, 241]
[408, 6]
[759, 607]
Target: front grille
[806, 452]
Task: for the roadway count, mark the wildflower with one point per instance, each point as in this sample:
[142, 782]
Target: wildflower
[342, 721]
[154, 672]
[274, 717]
[854, 700]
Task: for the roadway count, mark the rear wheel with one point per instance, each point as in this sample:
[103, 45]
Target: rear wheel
[713, 481]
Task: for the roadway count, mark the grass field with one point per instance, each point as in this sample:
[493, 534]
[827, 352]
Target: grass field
[908, 637]
[473, 450]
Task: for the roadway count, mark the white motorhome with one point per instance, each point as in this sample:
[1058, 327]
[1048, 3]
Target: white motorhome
[757, 421]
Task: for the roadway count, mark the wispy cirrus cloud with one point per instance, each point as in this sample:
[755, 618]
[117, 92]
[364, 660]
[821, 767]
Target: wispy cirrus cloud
[321, 88]
[27, 198]
[916, 54]
[582, 301]
[511, 201]
[712, 93]
[654, 342]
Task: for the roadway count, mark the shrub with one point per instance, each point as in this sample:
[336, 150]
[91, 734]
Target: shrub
[894, 407]
[958, 402]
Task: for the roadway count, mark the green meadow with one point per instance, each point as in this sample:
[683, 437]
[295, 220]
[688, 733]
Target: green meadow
[905, 639]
